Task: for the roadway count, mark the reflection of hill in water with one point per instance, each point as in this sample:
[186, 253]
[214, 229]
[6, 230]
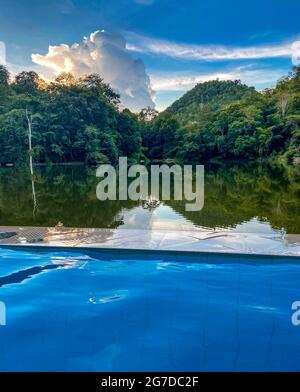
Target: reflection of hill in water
[232, 195]
[235, 195]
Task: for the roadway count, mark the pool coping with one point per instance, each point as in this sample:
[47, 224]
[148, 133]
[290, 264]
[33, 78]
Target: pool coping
[194, 242]
[148, 252]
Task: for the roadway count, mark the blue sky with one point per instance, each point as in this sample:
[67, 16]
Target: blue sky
[179, 42]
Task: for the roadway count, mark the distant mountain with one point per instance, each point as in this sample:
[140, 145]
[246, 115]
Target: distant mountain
[214, 94]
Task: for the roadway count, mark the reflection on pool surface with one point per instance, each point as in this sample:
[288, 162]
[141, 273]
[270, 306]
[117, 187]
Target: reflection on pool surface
[128, 311]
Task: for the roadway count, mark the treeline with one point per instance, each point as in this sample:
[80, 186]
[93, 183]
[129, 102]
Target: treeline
[72, 120]
[79, 119]
[228, 120]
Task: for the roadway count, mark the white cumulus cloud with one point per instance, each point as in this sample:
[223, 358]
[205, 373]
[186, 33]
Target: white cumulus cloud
[104, 53]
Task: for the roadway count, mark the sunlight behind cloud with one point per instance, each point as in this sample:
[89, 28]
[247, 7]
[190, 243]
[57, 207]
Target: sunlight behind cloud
[103, 53]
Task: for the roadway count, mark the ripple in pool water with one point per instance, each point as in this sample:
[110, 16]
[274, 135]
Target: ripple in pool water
[68, 311]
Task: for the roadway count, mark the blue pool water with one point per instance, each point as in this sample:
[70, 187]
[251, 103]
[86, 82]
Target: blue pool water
[104, 311]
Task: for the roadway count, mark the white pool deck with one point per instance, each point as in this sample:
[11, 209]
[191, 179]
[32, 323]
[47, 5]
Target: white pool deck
[218, 241]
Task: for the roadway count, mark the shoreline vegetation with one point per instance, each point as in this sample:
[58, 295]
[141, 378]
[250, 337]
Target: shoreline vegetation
[80, 121]
[279, 161]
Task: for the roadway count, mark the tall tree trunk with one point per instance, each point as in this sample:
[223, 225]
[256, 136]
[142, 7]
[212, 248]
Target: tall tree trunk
[29, 121]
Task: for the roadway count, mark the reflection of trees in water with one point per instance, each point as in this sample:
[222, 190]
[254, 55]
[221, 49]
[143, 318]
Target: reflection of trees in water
[65, 193]
[34, 196]
[237, 194]
[233, 195]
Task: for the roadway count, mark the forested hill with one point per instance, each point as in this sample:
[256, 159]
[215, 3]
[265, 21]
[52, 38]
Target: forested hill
[213, 93]
[80, 120]
[228, 120]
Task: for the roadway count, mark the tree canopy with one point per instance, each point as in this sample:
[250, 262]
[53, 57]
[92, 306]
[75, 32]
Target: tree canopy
[79, 119]
[228, 120]
[73, 120]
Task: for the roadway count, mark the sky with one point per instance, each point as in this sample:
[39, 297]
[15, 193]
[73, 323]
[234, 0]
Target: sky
[153, 51]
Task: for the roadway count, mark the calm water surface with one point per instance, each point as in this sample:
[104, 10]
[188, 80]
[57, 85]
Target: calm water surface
[241, 198]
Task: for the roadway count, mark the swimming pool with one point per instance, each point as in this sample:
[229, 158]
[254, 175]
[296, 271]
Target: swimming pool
[94, 310]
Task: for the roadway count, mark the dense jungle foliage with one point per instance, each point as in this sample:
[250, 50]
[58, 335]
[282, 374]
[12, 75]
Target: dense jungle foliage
[80, 120]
